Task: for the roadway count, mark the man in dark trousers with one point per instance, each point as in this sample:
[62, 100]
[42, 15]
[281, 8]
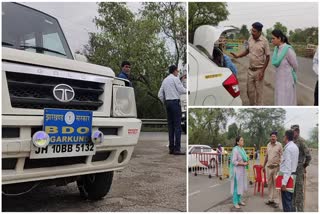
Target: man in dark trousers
[303, 162]
[288, 167]
[169, 93]
[125, 71]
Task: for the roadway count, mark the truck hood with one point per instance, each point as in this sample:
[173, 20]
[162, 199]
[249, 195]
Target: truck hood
[13, 55]
[207, 35]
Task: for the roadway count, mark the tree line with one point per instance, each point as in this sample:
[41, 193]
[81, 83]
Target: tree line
[210, 126]
[151, 39]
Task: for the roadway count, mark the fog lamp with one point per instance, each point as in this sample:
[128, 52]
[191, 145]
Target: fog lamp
[97, 137]
[40, 139]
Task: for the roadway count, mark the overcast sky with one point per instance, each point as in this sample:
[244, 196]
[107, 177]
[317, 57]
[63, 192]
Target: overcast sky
[306, 118]
[76, 19]
[291, 14]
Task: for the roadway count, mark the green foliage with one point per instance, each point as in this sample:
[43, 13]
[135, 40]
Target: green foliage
[233, 131]
[261, 122]
[306, 36]
[281, 27]
[244, 33]
[206, 126]
[171, 18]
[313, 141]
[205, 13]
[125, 36]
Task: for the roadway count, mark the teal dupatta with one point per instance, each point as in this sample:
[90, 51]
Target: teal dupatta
[276, 60]
[243, 156]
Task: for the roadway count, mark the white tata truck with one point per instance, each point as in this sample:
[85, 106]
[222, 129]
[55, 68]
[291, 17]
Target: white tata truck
[62, 120]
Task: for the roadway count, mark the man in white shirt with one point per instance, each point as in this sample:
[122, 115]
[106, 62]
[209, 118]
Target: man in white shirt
[288, 167]
[169, 93]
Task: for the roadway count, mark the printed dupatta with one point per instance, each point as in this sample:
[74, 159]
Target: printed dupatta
[244, 157]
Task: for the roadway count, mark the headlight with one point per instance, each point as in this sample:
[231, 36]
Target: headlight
[124, 103]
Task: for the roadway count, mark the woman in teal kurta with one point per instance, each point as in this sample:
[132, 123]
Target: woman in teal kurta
[238, 174]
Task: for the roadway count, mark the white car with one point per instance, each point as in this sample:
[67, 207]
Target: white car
[201, 156]
[210, 83]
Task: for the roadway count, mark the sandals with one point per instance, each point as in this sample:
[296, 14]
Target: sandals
[242, 204]
[236, 206]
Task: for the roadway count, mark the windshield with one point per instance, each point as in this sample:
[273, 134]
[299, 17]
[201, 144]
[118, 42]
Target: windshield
[27, 29]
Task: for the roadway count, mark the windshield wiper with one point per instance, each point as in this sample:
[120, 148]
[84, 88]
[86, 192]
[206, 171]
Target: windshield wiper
[38, 48]
[7, 44]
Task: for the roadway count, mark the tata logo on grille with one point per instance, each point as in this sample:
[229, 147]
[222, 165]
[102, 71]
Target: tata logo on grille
[63, 93]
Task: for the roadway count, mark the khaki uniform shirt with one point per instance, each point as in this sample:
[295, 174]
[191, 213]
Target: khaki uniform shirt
[258, 50]
[274, 152]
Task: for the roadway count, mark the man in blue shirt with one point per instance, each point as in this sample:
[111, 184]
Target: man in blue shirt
[125, 71]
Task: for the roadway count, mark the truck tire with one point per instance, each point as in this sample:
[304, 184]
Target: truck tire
[95, 186]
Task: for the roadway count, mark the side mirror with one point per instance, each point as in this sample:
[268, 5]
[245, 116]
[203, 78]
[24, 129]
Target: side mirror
[80, 57]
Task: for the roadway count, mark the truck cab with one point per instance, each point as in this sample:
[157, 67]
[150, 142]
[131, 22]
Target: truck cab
[63, 120]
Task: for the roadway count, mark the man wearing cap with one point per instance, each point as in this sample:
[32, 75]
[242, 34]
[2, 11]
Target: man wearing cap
[303, 162]
[259, 55]
[272, 161]
[169, 93]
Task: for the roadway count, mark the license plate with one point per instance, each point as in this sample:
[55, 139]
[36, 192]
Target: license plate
[63, 150]
[69, 132]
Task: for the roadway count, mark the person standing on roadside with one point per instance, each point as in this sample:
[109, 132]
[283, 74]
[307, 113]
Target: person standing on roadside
[169, 94]
[259, 56]
[288, 168]
[238, 175]
[272, 162]
[285, 61]
[303, 162]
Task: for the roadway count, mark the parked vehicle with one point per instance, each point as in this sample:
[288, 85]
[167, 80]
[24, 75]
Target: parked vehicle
[62, 120]
[196, 160]
[210, 82]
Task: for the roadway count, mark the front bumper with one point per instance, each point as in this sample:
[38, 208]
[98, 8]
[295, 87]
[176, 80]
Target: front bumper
[17, 166]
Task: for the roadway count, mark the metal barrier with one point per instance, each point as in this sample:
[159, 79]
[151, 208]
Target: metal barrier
[211, 165]
[204, 164]
[218, 164]
[263, 152]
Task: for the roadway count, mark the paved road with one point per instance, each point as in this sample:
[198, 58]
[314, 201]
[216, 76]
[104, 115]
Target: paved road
[213, 195]
[305, 88]
[153, 181]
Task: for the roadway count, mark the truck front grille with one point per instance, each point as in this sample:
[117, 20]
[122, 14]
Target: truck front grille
[36, 92]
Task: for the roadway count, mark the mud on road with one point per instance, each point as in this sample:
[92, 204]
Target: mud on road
[153, 181]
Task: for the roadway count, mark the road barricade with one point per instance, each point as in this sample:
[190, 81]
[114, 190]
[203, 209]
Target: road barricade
[204, 164]
[263, 152]
[211, 165]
